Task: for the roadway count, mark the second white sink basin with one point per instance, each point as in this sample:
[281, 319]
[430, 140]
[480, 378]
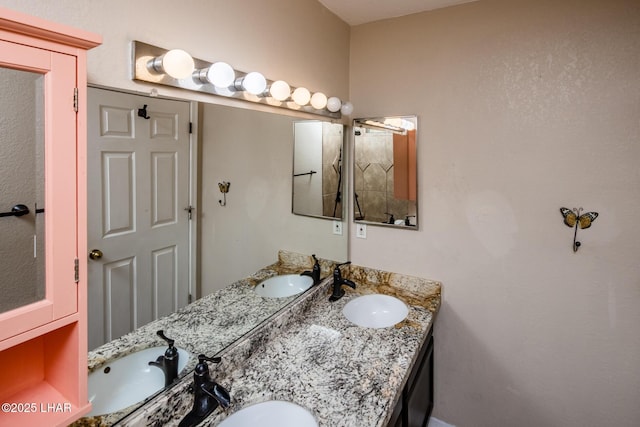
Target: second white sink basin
[375, 311]
[283, 286]
[273, 413]
[128, 380]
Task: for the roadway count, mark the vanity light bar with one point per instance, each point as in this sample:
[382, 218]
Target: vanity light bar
[154, 64]
[377, 125]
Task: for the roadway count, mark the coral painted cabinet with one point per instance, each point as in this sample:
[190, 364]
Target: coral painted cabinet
[43, 341]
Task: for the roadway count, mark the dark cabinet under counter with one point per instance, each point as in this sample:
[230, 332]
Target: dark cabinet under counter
[416, 403]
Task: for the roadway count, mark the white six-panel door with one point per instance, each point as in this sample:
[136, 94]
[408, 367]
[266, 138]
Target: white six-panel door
[138, 233]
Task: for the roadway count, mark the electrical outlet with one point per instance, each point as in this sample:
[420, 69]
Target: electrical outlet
[361, 231]
[337, 227]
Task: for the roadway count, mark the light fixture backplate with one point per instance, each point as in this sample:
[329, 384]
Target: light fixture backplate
[142, 53]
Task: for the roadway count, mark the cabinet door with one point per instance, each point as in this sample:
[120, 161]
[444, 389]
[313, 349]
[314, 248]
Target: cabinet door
[55, 240]
[419, 402]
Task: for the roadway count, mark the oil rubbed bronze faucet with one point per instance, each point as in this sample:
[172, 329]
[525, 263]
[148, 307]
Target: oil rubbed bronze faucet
[338, 281]
[168, 362]
[208, 394]
[315, 272]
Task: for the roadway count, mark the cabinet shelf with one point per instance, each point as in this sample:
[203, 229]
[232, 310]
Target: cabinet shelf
[43, 379]
[41, 404]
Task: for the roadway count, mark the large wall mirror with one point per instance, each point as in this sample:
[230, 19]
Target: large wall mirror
[385, 171]
[252, 150]
[22, 183]
[317, 169]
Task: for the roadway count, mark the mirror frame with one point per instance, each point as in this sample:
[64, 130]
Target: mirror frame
[382, 123]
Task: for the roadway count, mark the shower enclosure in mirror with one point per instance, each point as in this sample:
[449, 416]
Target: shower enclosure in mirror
[22, 183]
[317, 169]
[385, 171]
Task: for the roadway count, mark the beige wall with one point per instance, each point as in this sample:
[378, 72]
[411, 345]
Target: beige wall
[524, 107]
[299, 41]
[254, 151]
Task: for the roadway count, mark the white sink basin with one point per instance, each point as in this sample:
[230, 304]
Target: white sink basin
[375, 311]
[283, 286]
[273, 413]
[128, 380]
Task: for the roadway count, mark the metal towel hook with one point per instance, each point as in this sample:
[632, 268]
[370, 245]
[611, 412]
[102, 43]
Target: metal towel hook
[574, 218]
[142, 112]
[224, 189]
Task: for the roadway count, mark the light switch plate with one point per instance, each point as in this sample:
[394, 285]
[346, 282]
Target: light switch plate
[337, 227]
[361, 231]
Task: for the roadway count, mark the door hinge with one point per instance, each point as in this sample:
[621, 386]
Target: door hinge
[190, 299]
[189, 210]
[76, 270]
[75, 99]
[190, 127]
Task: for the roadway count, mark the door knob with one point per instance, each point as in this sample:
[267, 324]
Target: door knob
[95, 254]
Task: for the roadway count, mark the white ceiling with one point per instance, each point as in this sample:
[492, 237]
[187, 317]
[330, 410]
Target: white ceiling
[356, 12]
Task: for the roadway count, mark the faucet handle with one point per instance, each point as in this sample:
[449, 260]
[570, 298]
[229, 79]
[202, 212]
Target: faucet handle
[202, 368]
[171, 352]
[337, 274]
[344, 263]
[202, 358]
[164, 337]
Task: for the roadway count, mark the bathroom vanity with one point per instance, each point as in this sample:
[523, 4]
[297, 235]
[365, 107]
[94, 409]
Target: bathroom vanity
[309, 354]
[207, 326]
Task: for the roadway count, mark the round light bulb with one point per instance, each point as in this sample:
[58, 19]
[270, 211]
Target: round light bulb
[347, 108]
[301, 96]
[280, 90]
[319, 100]
[254, 83]
[177, 63]
[334, 104]
[221, 74]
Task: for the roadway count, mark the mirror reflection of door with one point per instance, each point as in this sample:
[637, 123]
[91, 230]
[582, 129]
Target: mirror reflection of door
[138, 224]
[385, 171]
[21, 183]
[317, 169]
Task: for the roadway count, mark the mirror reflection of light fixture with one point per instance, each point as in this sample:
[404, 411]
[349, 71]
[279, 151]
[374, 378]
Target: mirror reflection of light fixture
[279, 90]
[254, 83]
[399, 123]
[176, 67]
[319, 100]
[301, 96]
[219, 74]
[175, 63]
[347, 108]
[334, 104]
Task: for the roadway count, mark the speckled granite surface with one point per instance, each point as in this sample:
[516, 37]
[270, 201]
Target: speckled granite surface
[208, 325]
[311, 355]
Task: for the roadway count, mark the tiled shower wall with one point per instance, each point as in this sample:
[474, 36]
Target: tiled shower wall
[374, 178]
[331, 168]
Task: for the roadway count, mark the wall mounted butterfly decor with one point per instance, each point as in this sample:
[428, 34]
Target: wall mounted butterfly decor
[574, 218]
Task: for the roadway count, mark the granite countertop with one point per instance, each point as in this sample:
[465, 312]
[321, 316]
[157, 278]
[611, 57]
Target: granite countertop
[207, 325]
[311, 355]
